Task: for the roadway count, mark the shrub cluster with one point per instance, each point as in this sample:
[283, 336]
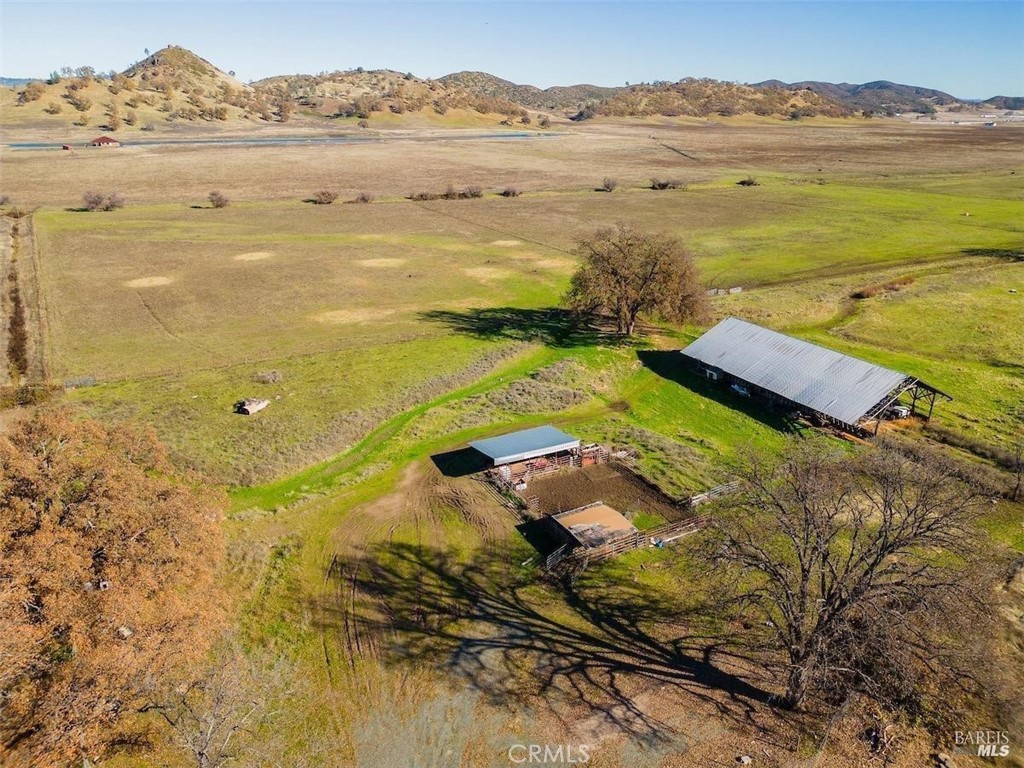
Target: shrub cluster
[97, 201]
[218, 199]
[268, 377]
[667, 184]
[449, 194]
[868, 291]
[324, 197]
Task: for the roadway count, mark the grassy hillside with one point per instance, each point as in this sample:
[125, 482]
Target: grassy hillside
[558, 97]
[877, 96]
[360, 93]
[175, 87]
[171, 86]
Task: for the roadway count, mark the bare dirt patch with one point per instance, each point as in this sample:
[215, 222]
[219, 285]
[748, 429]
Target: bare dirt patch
[612, 483]
[554, 263]
[149, 282]
[385, 263]
[345, 316]
[253, 256]
[487, 274]
[507, 243]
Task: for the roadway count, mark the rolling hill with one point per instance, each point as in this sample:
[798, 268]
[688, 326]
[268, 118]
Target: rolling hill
[553, 98]
[878, 96]
[174, 87]
[171, 86]
[360, 93]
[704, 97]
[1006, 102]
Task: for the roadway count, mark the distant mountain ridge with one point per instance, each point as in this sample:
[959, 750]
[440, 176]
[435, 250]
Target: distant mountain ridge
[705, 97]
[174, 85]
[1006, 102]
[876, 96]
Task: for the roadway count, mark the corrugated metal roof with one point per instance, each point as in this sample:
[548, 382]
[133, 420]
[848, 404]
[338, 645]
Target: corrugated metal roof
[525, 444]
[818, 378]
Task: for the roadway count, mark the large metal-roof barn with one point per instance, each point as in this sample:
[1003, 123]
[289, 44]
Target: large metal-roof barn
[845, 391]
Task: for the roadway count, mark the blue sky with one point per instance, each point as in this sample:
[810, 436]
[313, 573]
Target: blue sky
[970, 49]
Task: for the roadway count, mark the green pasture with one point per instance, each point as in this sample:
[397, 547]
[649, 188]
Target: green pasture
[386, 311]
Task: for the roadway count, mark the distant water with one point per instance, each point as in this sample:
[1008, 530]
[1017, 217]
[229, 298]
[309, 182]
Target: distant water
[261, 141]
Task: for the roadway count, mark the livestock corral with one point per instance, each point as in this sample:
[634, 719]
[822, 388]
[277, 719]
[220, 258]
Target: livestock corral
[588, 501]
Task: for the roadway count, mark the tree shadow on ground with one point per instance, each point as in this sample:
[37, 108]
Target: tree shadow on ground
[671, 365]
[598, 643]
[552, 326]
[1010, 254]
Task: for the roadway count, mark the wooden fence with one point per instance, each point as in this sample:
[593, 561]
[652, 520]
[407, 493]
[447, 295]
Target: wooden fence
[714, 493]
[663, 534]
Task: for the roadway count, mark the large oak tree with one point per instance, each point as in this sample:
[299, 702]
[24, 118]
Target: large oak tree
[107, 565]
[627, 273]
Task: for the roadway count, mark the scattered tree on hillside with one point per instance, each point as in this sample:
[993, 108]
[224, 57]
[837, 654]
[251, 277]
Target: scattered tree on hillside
[608, 184]
[107, 565]
[627, 273]
[31, 92]
[859, 567]
[285, 108]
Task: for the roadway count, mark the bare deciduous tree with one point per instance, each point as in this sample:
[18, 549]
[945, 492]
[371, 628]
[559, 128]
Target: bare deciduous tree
[218, 199]
[215, 716]
[627, 273]
[850, 560]
[97, 201]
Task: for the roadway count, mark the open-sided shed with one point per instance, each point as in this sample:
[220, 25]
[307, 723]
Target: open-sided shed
[846, 391]
[526, 444]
